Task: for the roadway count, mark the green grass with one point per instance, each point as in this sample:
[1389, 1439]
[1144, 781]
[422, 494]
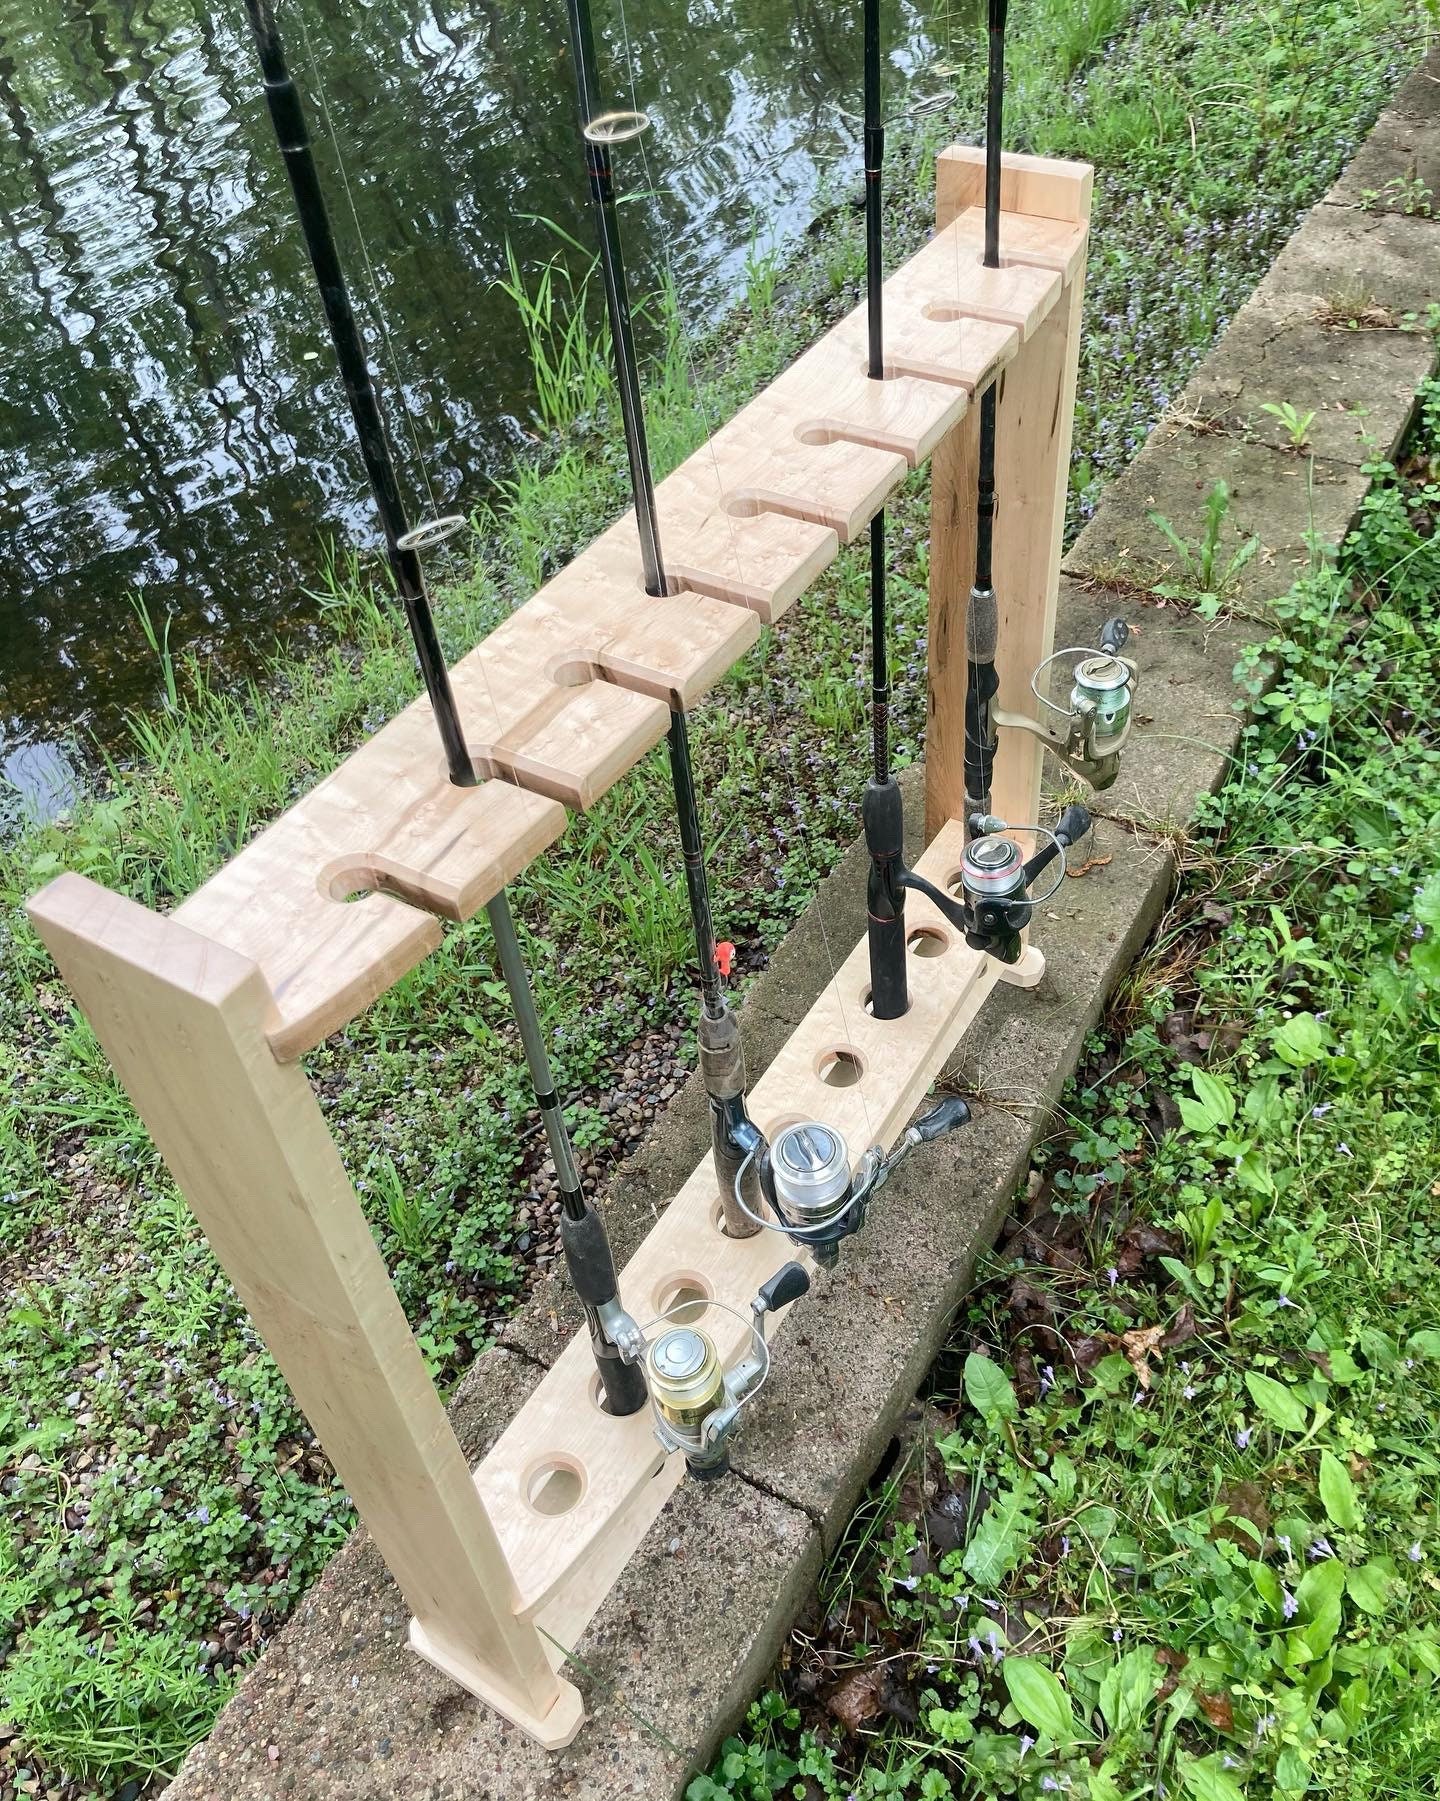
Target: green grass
[154, 1459]
[1174, 1528]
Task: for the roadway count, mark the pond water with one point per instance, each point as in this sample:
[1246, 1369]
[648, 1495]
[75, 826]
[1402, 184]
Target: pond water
[170, 423]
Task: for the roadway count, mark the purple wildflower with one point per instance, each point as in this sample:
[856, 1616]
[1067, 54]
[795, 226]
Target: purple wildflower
[1242, 1437]
[1321, 1548]
[1289, 1606]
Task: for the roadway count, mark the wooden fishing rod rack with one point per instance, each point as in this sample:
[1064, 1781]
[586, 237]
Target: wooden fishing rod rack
[204, 1012]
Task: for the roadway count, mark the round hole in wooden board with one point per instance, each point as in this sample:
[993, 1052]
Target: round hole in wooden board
[928, 941]
[554, 1485]
[840, 1067]
[682, 1298]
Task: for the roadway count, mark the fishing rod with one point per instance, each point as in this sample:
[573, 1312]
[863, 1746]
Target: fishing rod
[996, 900]
[1097, 720]
[733, 1133]
[982, 617]
[616, 1340]
[883, 810]
[804, 1179]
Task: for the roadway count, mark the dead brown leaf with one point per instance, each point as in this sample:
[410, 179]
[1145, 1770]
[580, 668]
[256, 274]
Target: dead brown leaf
[1217, 1710]
[1242, 1501]
[1090, 863]
[859, 1697]
[1139, 1345]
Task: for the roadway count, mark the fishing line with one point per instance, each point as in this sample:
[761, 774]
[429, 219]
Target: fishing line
[373, 304]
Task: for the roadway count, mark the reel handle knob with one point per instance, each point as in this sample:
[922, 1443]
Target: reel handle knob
[1114, 635]
[1073, 824]
[947, 1117]
[788, 1283]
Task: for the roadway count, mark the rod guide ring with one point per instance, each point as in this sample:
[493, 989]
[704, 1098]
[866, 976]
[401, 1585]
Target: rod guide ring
[432, 532]
[616, 127]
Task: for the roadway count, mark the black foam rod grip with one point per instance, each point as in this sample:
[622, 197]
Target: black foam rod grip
[946, 1117]
[1114, 635]
[787, 1284]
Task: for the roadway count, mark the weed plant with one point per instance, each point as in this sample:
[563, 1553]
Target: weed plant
[1174, 1530]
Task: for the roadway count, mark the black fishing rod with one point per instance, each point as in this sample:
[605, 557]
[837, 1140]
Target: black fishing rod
[734, 1136]
[883, 809]
[982, 623]
[616, 1340]
[996, 903]
[1098, 717]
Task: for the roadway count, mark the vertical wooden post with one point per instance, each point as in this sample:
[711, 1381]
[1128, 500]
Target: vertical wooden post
[1032, 467]
[183, 1022]
[954, 466]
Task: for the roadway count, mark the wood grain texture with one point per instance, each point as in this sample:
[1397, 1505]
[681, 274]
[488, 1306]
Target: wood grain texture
[619, 1460]
[182, 1021]
[1032, 471]
[569, 692]
[1037, 186]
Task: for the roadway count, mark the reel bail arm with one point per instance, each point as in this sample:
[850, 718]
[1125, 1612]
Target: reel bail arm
[813, 1196]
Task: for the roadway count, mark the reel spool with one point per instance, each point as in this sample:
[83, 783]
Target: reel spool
[1097, 720]
[696, 1402]
[806, 1179]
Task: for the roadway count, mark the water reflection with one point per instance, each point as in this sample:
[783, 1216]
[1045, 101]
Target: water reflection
[169, 419]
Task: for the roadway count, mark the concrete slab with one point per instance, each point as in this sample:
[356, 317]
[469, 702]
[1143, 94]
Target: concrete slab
[1404, 146]
[339, 1709]
[1281, 498]
[859, 1346]
[1343, 260]
[1361, 390]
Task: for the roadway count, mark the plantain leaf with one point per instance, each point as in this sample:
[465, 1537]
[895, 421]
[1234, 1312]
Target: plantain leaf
[1276, 1402]
[1337, 1492]
[1039, 1699]
[988, 1390]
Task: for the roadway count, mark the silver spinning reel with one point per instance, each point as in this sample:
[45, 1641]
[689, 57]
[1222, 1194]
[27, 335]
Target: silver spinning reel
[812, 1194]
[696, 1401]
[1097, 720]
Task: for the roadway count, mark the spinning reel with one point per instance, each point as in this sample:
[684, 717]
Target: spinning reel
[996, 904]
[807, 1183]
[1097, 720]
[697, 1402]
